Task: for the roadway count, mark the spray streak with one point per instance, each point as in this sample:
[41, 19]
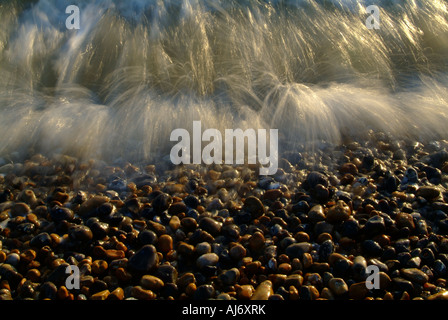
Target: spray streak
[135, 71]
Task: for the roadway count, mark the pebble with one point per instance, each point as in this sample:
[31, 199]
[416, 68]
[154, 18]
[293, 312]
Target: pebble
[142, 294]
[415, 275]
[165, 243]
[145, 259]
[207, 259]
[20, 209]
[428, 192]
[296, 250]
[263, 291]
[210, 225]
[230, 277]
[102, 295]
[316, 214]
[338, 213]
[117, 294]
[358, 291]
[338, 286]
[254, 206]
[151, 282]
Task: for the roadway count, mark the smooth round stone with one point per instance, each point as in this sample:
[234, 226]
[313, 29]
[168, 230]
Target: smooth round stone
[358, 291]
[189, 224]
[428, 192]
[165, 243]
[48, 290]
[263, 291]
[184, 280]
[237, 252]
[174, 223]
[147, 237]
[375, 225]
[314, 178]
[207, 259]
[145, 259]
[191, 201]
[88, 206]
[203, 248]
[244, 292]
[20, 209]
[254, 206]
[204, 292]
[316, 214]
[230, 277]
[99, 229]
[177, 208]
[167, 273]
[162, 202]
[142, 294]
[414, 275]
[405, 220]
[13, 259]
[296, 250]
[257, 241]
[273, 194]
[58, 214]
[210, 225]
[41, 240]
[338, 213]
[371, 248]
[80, 233]
[151, 282]
[338, 286]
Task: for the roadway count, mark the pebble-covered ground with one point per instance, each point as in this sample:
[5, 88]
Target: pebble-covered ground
[156, 231]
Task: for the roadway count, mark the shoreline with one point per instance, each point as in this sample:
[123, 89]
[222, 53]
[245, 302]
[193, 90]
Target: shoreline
[199, 232]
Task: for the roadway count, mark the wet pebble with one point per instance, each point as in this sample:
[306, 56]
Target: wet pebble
[145, 259]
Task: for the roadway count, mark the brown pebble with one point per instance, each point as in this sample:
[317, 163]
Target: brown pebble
[117, 294]
[63, 293]
[307, 260]
[324, 237]
[284, 268]
[165, 243]
[338, 213]
[184, 280]
[91, 204]
[244, 292]
[326, 294]
[33, 275]
[302, 236]
[338, 286]
[2, 257]
[99, 266]
[174, 223]
[142, 294]
[263, 291]
[151, 282]
[102, 295]
[114, 254]
[293, 293]
[237, 252]
[257, 241]
[123, 275]
[273, 194]
[20, 209]
[404, 219]
[190, 288]
[358, 291]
